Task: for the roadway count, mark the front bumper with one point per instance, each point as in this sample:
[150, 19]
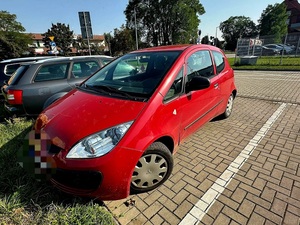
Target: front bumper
[77, 182]
[107, 177]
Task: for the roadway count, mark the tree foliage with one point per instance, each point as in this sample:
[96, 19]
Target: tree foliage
[13, 42]
[237, 27]
[164, 22]
[63, 37]
[123, 41]
[273, 21]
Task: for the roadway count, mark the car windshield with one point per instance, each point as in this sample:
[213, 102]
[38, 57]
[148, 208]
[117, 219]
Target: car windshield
[133, 75]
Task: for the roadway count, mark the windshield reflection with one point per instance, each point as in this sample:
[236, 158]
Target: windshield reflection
[136, 74]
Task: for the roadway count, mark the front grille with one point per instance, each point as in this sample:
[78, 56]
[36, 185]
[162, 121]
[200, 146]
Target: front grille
[84, 180]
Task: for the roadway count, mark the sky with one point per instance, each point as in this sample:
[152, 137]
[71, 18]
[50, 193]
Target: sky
[37, 16]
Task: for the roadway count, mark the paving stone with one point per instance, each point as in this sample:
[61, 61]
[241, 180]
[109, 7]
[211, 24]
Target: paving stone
[271, 217]
[239, 195]
[256, 219]
[183, 209]
[259, 201]
[152, 210]
[233, 214]
[169, 216]
[279, 207]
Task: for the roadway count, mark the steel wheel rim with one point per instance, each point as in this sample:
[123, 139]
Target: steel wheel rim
[149, 171]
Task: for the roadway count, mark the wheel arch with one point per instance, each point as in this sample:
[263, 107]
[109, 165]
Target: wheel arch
[53, 98]
[167, 141]
[234, 92]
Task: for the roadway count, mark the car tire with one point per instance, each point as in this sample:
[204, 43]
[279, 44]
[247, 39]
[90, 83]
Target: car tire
[153, 169]
[229, 107]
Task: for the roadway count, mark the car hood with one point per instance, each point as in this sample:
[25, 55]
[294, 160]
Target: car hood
[80, 114]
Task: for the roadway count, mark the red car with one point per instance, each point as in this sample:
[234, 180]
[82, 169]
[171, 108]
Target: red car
[116, 133]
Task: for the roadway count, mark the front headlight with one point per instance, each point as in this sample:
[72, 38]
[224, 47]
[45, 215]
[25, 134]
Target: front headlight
[100, 143]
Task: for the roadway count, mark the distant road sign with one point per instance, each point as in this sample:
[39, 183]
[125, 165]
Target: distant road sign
[85, 25]
[52, 44]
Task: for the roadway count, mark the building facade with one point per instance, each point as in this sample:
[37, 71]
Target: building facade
[98, 41]
[293, 11]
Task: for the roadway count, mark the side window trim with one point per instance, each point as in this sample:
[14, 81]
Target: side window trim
[176, 88]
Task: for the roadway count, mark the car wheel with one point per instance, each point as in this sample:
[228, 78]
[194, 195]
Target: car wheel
[229, 107]
[153, 168]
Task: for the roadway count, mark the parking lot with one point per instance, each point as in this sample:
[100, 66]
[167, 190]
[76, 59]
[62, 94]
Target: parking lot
[243, 170]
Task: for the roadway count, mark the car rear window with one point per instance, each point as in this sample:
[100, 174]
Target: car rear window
[11, 68]
[18, 75]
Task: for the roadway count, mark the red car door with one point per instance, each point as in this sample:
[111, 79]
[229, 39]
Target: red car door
[199, 107]
[225, 77]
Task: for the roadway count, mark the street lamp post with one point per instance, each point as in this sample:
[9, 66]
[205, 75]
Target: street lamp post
[216, 36]
[136, 36]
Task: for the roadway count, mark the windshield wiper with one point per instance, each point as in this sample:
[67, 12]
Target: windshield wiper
[110, 91]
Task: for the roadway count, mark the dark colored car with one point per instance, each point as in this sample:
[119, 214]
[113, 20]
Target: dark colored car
[9, 66]
[116, 133]
[35, 85]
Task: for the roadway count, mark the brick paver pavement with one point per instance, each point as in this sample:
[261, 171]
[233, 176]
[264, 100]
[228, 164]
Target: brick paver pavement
[265, 190]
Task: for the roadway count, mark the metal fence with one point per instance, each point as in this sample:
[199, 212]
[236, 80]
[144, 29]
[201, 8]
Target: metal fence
[269, 46]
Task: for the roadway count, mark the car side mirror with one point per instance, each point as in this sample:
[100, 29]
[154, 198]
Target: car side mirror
[197, 83]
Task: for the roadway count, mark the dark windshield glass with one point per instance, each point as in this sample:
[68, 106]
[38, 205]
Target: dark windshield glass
[137, 74]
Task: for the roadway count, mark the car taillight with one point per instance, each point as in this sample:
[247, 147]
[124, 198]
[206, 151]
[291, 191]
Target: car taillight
[14, 97]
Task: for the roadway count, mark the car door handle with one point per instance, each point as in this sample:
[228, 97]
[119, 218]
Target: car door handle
[216, 86]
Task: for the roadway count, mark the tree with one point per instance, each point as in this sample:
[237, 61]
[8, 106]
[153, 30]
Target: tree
[237, 27]
[13, 42]
[122, 41]
[273, 21]
[205, 40]
[163, 22]
[63, 37]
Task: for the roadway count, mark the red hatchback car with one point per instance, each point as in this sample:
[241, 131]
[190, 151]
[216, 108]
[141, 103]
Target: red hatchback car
[115, 134]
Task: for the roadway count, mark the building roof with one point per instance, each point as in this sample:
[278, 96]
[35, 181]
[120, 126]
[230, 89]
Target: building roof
[292, 4]
[39, 36]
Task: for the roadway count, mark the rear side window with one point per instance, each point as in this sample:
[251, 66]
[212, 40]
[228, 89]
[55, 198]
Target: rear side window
[18, 75]
[219, 61]
[84, 69]
[52, 72]
[11, 68]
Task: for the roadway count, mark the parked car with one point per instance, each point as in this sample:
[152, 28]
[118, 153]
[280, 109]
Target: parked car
[35, 85]
[115, 134]
[288, 49]
[271, 49]
[9, 66]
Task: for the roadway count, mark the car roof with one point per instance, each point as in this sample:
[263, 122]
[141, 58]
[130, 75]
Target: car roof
[177, 48]
[25, 59]
[68, 58]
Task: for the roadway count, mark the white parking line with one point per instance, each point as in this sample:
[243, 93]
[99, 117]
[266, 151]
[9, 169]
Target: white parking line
[200, 209]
